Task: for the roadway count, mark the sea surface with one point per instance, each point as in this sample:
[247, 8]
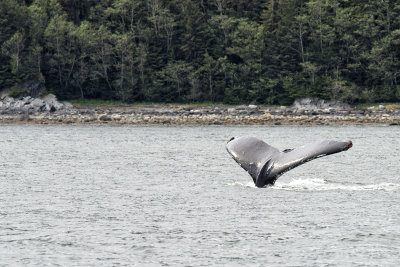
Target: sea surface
[172, 196]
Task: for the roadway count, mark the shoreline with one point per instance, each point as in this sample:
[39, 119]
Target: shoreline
[207, 115]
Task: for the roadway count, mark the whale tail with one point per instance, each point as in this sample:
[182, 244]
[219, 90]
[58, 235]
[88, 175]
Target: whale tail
[266, 163]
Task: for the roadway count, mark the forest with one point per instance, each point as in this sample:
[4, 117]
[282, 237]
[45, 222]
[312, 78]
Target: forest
[230, 51]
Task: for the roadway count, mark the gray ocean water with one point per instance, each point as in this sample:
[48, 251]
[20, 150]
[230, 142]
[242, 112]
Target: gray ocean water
[172, 196]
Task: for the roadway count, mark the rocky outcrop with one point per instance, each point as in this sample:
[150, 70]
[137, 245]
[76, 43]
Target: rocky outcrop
[48, 110]
[206, 116]
[28, 104]
[316, 104]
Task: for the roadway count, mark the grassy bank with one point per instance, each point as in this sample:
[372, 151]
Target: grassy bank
[111, 103]
[387, 105]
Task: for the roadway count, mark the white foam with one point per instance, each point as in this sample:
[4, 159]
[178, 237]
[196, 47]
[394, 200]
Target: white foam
[248, 184]
[322, 185]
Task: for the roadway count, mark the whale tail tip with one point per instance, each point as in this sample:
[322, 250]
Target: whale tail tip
[230, 139]
[348, 146]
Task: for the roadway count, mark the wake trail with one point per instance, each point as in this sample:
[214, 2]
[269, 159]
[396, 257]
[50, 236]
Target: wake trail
[323, 185]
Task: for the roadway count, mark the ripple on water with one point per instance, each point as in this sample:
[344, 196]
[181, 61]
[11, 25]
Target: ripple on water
[322, 185]
[151, 196]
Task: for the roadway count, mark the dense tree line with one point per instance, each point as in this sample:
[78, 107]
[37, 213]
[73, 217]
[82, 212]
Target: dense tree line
[235, 51]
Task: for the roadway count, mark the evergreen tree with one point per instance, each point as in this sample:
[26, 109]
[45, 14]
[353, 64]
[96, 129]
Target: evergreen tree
[236, 51]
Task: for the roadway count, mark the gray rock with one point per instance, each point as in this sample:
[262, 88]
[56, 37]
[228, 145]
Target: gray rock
[68, 105]
[29, 104]
[50, 99]
[52, 105]
[37, 104]
[357, 111]
[18, 105]
[314, 104]
[58, 106]
[105, 118]
[8, 99]
[49, 107]
[27, 100]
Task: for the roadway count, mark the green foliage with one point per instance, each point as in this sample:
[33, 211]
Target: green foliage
[233, 51]
[97, 102]
[17, 90]
[115, 103]
[43, 93]
[13, 48]
[376, 105]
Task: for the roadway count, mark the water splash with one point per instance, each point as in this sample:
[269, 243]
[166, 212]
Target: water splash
[248, 184]
[323, 185]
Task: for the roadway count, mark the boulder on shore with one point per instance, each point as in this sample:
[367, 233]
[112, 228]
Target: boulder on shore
[315, 104]
[29, 104]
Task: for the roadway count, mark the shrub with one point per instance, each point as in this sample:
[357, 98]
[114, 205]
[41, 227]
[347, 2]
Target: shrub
[17, 90]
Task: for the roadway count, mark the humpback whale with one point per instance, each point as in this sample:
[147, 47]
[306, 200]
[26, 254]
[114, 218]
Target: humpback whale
[266, 163]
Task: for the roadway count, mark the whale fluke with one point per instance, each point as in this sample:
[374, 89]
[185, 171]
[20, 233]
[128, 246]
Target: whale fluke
[266, 163]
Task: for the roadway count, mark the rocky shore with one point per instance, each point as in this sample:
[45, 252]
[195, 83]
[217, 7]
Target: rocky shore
[302, 112]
